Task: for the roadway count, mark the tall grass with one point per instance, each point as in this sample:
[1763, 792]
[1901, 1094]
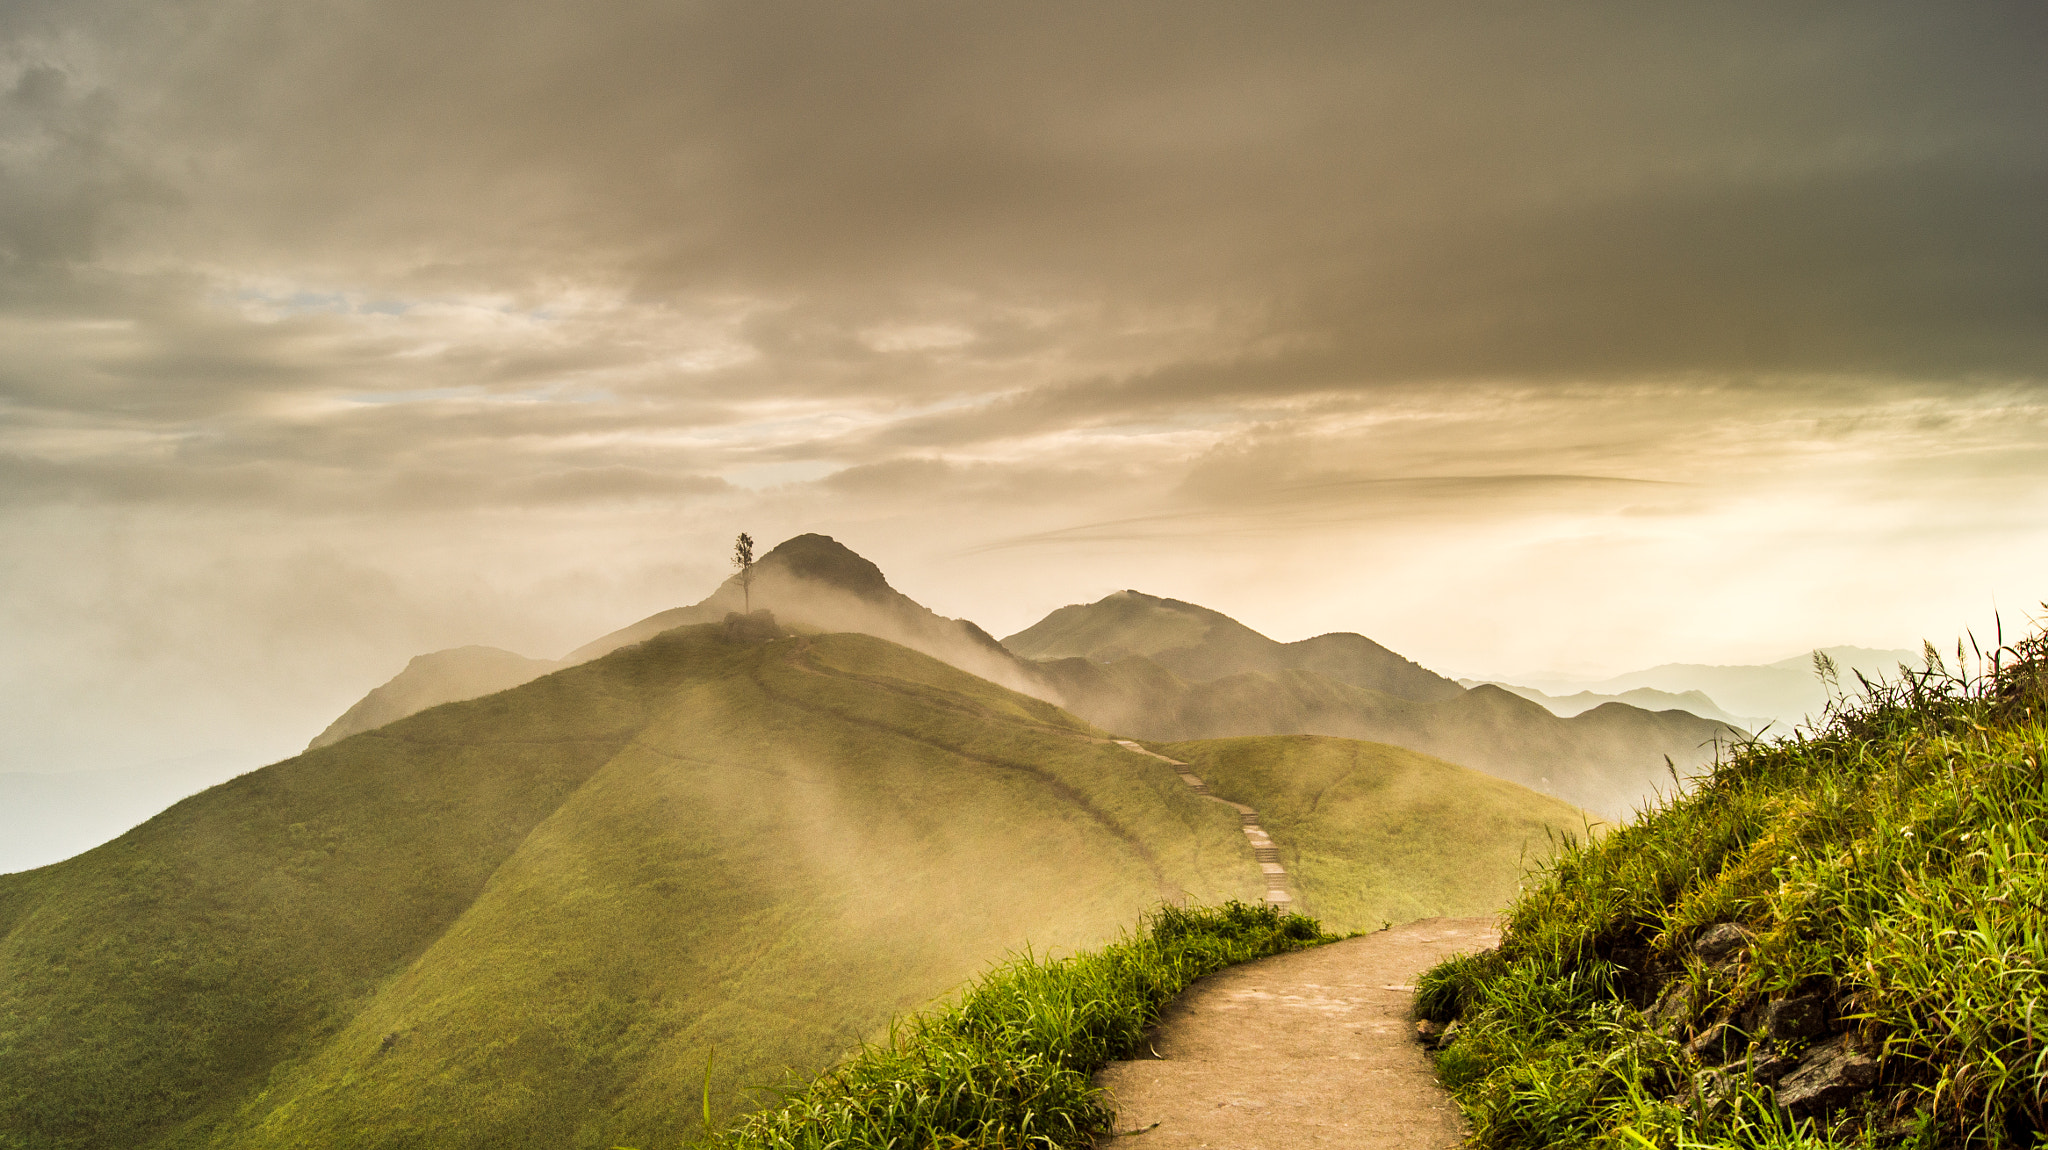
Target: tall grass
[1894, 860]
[1009, 1065]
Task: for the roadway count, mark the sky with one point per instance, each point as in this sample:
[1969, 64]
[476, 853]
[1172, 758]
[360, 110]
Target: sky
[1565, 338]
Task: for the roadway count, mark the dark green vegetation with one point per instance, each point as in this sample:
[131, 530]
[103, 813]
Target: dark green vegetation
[525, 920]
[1009, 1066]
[1209, 677]
[1372, 834]
[1838, 939]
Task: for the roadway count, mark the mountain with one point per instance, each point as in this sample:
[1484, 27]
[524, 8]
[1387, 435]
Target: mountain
[430, 680]
[1691, 702]
[525, 920]
[1167, 670]
[1198, 644]
[814, 582]
[1787, 691]
[530, 919]
[810, 583]
[1109, 662]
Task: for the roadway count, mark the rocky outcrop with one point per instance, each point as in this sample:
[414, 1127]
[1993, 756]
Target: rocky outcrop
[1832, 1073]
[1789, 1045]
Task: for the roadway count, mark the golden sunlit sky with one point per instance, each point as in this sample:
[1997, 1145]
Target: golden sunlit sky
[1564, 337]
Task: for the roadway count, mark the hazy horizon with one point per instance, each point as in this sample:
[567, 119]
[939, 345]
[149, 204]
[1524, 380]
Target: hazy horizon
[1578, 340]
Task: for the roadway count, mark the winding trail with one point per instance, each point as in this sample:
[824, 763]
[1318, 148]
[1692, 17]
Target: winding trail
[1277, 894]
[1309, 1049]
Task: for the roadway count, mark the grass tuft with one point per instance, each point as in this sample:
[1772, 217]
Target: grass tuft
[1009, 1065]
[1891, 863]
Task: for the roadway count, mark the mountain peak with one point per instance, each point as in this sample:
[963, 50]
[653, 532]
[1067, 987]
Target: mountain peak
[1201, 645]
[824, 560]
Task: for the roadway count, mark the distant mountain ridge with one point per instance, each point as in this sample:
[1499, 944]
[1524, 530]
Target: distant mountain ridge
[1787, 692]
[1569, 706]
[1199, 644]
[1166, 670]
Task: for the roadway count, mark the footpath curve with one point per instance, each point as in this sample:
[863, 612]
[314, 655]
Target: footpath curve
[1309, 1049]
[1277, 894]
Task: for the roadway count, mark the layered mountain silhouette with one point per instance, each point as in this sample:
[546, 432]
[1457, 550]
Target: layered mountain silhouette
[1578, 703]
[1787, 692]
[528, 920]
[1199, 645]
[1166, 670]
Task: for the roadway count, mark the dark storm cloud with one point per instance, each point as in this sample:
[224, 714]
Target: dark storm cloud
[1121, 208]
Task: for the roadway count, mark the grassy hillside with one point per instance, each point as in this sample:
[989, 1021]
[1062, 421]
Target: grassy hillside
[1836, 940]
[1372, 834]
[1609, 760]
[525, 920]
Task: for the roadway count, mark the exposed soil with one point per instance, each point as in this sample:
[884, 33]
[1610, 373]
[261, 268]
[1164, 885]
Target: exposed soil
[1310, 1049]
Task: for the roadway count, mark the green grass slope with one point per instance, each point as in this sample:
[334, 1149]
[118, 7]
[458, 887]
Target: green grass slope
[527, 919]
[1837, 940]
[1371, 833]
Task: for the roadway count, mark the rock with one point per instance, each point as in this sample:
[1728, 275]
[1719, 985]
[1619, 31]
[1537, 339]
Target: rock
[1721, 943]
[1717, 1042]
[1434, 1036]
[1789, 1019]
[1713, 1091]
[1831, 1074]
[1769, 1061]
[1672, 1010]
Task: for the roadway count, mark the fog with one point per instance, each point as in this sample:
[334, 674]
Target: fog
[1573, 341]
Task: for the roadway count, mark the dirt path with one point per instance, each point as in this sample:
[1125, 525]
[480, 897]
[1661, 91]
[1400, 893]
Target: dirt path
[1277, 894]
[1311, 1049]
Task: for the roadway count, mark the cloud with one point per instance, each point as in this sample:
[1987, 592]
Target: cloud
[1437, 288]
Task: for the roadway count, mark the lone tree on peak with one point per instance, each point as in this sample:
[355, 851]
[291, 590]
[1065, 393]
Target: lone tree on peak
[743, 558]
